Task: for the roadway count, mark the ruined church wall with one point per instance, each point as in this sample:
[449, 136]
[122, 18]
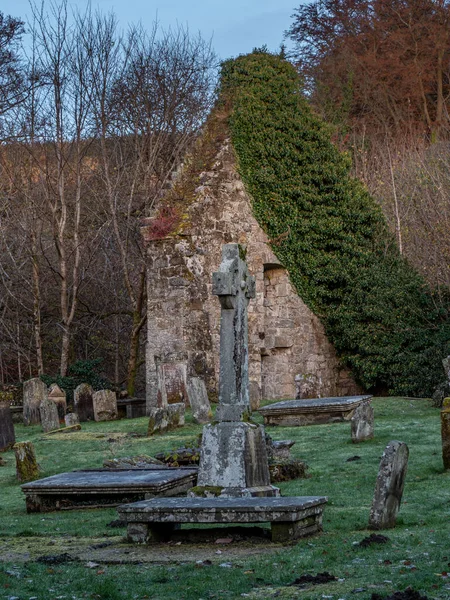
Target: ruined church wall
[285, 337]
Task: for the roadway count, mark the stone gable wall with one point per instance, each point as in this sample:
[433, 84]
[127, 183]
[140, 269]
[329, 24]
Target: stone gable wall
[285, 337]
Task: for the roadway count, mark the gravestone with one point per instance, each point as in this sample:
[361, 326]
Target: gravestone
[165, 419]
[34, 391]
[105, 405]
[83, 404]
[7, 435]
[71, 419]
[58, 396]
[171, 373]
[27, 468]
[362, 423]
[233, 458]
[445, 432]
[49, 415]
[389, 486]
[307, 385]
[198, 399]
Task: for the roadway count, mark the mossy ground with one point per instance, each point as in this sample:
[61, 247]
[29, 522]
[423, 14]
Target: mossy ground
[417, 553]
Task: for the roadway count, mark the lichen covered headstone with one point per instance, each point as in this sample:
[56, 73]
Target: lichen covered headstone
[49, 415]
[27, 468]
[71, 419]
[362, 422]
[198, 399]
[445, 433]
[34, 391]
[7, 435]
[171, 372]
[83, 403]
[166, 418]
[105, 405]
[58, 396]
[389, 486]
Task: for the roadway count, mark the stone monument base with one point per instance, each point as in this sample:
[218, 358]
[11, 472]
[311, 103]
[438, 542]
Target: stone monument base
[156, 520]
[233, 462]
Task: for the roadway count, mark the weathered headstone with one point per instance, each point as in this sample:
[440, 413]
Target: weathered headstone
[27, 468]
[233, 458]
[165, 419]
[171, 372]
[389, 486]
[446, 365]
[83, 404]
[7, 435]
[71, 419]
[362, 423]
[307, 385]
[105, 405]
[198, 399]
[58, 396]
[445, 432]
[49, 415]
[34, 391]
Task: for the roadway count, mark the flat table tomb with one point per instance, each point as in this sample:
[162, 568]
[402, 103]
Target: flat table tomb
[312, 411]
[105, 487]
[290, 517]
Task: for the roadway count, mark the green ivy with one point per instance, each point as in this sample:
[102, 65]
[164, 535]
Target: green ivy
[81, 371]
[377, 311]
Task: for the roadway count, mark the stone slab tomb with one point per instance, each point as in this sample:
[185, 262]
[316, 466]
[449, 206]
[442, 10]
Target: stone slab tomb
[105, 487]
[362, 423]
[7, 435]
[313, 411]
[233, 477]
[49, 415]
[389, 486]
[156, 520]
[58, 396]
[105, 405]
[83, 403]
[34, 391]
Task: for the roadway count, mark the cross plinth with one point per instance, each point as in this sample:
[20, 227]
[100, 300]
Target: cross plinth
[234, 286]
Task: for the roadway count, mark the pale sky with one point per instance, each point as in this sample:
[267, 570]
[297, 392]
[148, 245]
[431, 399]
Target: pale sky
[236, 27]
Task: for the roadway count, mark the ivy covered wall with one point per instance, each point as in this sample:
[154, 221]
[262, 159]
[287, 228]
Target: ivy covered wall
[329, 233]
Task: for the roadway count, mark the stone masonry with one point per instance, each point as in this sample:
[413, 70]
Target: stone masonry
[285, 337]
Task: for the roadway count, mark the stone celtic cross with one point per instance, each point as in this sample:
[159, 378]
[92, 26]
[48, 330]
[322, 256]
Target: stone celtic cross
[234, 286]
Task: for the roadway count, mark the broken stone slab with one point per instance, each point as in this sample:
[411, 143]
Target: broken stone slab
[288, 469]
[58, 396]
[281, 450]
[362, 423]
[105, 487]
[312, 411]
[198, 399]
[83, 403]
[49, 415]
[70, 429]
[445, 433]
[27, 468]
[34, 391]
[290, 518]
[165, 419]
[7, 434]
[389, 486]
[71, 419]
[133, 462]
[105, 405]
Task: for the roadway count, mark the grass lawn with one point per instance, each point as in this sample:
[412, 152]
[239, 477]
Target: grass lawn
[417, 553]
